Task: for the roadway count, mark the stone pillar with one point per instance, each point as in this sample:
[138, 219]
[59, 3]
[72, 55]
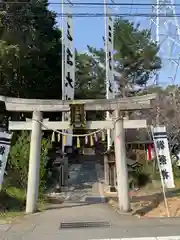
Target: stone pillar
[34, 163]
[121, 163]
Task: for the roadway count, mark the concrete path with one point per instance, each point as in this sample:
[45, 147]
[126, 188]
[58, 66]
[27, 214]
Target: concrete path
[84, 203]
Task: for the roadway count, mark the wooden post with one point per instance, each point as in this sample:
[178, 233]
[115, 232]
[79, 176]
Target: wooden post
[121, 164]
[34, 163]
[66, 171]
[106, 170]
[115, 177]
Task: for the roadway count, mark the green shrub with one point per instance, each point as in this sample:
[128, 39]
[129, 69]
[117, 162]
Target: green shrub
[18, 162]
[141, 176]
[176, 172]
[138, 179]
[12, 199]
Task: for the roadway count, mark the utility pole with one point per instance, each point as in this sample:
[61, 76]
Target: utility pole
[121, 163]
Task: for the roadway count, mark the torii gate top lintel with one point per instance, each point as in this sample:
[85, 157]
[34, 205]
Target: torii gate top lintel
[51, 105]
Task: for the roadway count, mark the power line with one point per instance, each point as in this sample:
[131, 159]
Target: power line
[95, 7]
[92, 15]
[115, 4]
[96, 4]
[119, 15]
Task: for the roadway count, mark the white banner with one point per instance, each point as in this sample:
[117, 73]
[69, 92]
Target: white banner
[69, 57]
[5, 144]
[109, 50]
[69, 68]
[163, 156]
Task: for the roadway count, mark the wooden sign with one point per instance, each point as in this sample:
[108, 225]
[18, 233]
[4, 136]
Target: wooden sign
[77, 116]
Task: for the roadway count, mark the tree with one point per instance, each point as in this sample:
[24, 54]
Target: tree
[167, 107]
[9, 55]
[135, 56]
[168, 103]
[89, 82]
[30, 29]
[89, 78]
[18, 162]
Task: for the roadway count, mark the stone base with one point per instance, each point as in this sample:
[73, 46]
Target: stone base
[64, 189]
[110, 189]
[113, 189]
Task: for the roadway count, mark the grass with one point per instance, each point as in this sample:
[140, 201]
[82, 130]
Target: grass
[13, 202]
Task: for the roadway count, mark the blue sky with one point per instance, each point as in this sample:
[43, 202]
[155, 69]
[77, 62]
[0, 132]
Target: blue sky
[89, 31]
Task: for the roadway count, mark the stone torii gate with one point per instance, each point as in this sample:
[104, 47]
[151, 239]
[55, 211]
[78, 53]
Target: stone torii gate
[38, 106]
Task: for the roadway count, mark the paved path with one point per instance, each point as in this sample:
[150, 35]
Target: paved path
[144, 238]
[85, 204]
[84, 182]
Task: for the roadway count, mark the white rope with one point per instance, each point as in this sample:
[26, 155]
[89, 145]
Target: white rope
[69, 134]
[76, 135]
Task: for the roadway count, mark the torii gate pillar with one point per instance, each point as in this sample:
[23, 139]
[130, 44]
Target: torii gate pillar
[34, 163]
[121, 163]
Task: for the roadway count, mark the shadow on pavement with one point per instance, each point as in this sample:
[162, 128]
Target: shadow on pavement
[95, 200]
[62, 206]
[87, 201]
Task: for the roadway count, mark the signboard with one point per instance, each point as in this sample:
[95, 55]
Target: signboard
[163, 156]
[78, 116]
[69, 64]
[109, 50]
[69, 57]
[5, 144]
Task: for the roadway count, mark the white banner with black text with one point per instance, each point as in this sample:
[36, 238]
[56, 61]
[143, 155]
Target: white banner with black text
[5, 144]
[109, 50]
[69, 68]
[163, 156]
